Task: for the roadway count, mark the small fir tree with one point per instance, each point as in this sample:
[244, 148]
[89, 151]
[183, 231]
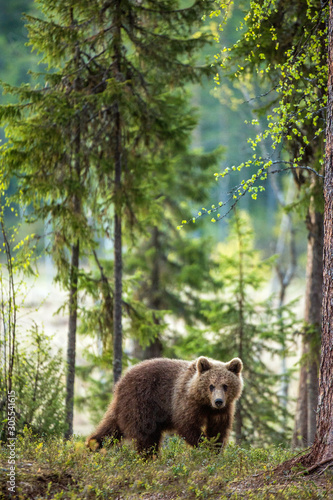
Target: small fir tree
[32, 391]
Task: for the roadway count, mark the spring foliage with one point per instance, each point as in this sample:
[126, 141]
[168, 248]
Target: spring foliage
[280, 59]
[29, 368]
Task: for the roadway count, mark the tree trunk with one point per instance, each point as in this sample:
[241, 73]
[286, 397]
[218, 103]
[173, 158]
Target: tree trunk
[71, 346]
[322, 449]
[300, 435]
[8, 351]
[155, 347]
[74, 274]
[103, 340]
[313, 316]
[241, 301]
[118, 263]
[118, 259]
[305, 423]
[239, 424]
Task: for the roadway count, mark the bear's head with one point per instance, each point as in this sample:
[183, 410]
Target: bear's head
[217, 384]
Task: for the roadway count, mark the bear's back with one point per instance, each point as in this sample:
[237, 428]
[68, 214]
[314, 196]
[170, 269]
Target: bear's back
[157, 374]
[144, 394]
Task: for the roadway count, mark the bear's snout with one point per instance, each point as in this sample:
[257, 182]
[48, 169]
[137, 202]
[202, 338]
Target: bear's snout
[218, 398]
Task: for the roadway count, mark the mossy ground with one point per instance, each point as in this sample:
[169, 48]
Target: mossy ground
[58, 469]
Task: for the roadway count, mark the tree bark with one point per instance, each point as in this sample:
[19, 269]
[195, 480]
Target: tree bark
[71, 346]
[241, 301]
[155, 347]
[322, 449]
[74, 272]
[305, 422]
[313, 315]
[118, 259]
[118, 263]
[300, 435]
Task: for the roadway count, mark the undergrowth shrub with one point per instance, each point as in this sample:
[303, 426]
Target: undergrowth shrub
[38, 384]
[31, 374]
[56, 469]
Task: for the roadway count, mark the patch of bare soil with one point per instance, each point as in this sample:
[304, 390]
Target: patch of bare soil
[287, 474]
[35, 481]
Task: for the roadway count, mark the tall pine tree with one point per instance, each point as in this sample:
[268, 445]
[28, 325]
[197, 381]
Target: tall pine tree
[85, 148]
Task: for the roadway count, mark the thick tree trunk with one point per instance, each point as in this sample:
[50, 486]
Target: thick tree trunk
[313, 316]
[300, 436]
[322, 449]
[71, 346]
[305, 422]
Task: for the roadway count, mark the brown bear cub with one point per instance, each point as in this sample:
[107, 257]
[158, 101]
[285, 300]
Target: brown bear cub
[194, 399]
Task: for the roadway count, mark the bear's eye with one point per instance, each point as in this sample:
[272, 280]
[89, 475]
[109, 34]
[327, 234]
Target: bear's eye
[211, 388]
[225, 387]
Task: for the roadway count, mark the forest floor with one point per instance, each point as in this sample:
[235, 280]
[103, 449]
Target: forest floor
[58, 469]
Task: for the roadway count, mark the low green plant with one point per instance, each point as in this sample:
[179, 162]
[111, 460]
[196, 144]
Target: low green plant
[54, 468]
[38, 382]
[31, 375]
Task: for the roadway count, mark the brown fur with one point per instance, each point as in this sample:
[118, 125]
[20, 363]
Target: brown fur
[195, 399]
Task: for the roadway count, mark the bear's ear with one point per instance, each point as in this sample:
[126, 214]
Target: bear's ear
[235, 366]
[203, 364]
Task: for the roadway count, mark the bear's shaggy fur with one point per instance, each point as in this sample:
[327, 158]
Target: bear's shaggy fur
[195, 399]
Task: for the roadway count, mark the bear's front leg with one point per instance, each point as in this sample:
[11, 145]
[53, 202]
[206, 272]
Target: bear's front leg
[192, 436]
[188, 423]
[218, 428]
[190, 429]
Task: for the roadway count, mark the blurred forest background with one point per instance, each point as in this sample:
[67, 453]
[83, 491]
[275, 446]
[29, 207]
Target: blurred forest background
[237, 282]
